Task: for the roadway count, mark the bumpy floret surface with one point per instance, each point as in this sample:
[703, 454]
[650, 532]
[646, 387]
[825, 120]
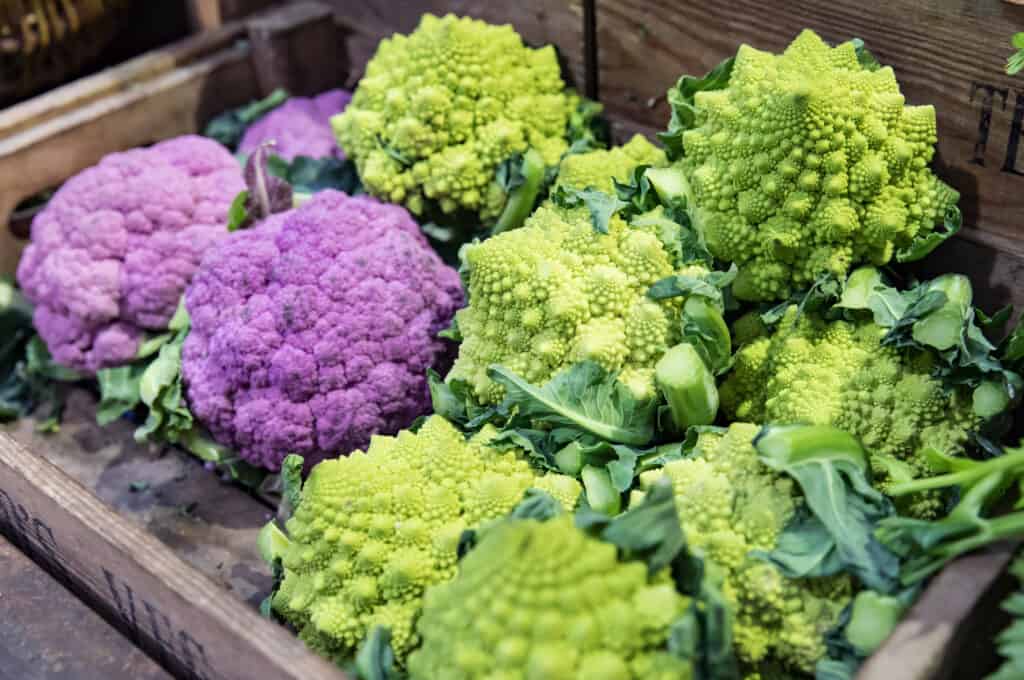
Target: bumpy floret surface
[299, 127]
[599, 168]
[112, 251]
[438, 110]
[837, 373]
[544, 600]
[731, 504]
[555, 292]
[373, 531]
[313, 330]
[807, 164]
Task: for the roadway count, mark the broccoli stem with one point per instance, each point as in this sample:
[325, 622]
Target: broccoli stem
[688, 387]
[669, 183]
[976, 471]
[569, 459]
[873, 617]
[943, 328]
[989, 399]
[521, 200]
[601, 493]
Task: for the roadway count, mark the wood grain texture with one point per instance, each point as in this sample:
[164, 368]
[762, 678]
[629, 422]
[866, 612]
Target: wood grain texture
[46, 633]
[945, 52]
[188, 623]
[210, 524]
[540, 22]
[960, 605]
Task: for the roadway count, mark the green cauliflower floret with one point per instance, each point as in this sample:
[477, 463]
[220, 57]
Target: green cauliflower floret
[375, 529]
[838, 373]
[598, 168]
[731, 504]
[544, 600]
[439, 109]
[807, 163]
[556, 292]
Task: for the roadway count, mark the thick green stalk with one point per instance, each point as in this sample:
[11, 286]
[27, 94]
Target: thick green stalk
[520, 200]
[972, 472]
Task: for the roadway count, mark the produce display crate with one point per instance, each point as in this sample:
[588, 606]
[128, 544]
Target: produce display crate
[166, 552]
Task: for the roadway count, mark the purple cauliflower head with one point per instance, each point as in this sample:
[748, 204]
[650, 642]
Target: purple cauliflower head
[113, 250]
[300, 127]
[314, 330]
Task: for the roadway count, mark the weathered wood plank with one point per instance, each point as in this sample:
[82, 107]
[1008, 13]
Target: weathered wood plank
[190, 624]
[959, 606]
[166, 93]
[46, 633]
[210, 524]
[540, 22]
[946, 53]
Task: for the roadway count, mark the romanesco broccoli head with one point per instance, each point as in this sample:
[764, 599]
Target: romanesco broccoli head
[375, 529]
[598, 168]
[555, 292]
[439, 109]
[731, 504]
[838, 373]
[808, 163]
[545, 600]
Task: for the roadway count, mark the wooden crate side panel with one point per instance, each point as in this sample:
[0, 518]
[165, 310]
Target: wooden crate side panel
[70, 641]
[540, 22]
[946, 53]
[186, 622]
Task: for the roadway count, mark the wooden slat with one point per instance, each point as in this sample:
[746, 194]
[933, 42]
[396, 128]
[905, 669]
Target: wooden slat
[211, 525]
[46, 633]
[161, 95]
[189, 624]
[945, 52]
[540, 22]
[960, 605]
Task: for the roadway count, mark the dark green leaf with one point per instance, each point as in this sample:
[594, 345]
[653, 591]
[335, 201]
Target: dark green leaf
[584, 397]
[923, 244]
[804, 549]
[864, 57]
[709, 285]
[831, 468]
[291, 486]
[602, 206]
[310, 175]
[587, 128]
[537, 505]
[376, 659]
[684, 111]
[229, 127]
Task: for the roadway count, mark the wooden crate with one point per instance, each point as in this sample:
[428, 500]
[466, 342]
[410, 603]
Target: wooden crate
[163, 575]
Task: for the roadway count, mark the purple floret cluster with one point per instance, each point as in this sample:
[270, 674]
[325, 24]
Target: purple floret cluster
[314, 329]
[300, 127]
[113, 250]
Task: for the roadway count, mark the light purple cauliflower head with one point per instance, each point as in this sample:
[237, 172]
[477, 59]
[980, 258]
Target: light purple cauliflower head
[300, 127]
[313, 330]
[113, 250]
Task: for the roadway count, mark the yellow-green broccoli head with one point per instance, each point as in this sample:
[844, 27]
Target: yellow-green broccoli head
[439, 109]
[555, 292]
[730, 504]
[544, 600]
[598, 168]
[838, 373]
[807, 163]
[375, 529]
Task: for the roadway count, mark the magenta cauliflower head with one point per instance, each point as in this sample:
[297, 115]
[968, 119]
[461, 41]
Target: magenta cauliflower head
[113, 250]
[300, 127]
[314, 330]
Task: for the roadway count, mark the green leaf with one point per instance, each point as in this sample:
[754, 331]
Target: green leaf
[831, 469]
[452, 332]
[310, 175]
[291, 480]
[924, 244]
[864, 57]
[709, 285]
[602, 206]
[237, 214]
[119, 391]
[805, 549]
[537, 505]
[584, 397]
[684, 111]
[1010, 641]
[229, 127]
[587, 128]
[376, 659]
